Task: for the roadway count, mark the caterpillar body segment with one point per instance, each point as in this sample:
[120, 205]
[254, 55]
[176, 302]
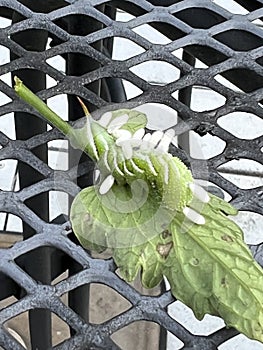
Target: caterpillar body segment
[174, 179]
[92, 139]
[124, 153]
[100, 138]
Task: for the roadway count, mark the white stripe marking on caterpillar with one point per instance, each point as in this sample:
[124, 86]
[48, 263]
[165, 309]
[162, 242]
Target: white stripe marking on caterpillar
[148, 160]
[175, 168]
[105, 160]
[126, 170]
[105, 143]
[166, 169]
[115, 162]
[91, 139]
[136, 168]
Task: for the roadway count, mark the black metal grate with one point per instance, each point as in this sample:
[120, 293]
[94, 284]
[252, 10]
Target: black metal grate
[230, 47]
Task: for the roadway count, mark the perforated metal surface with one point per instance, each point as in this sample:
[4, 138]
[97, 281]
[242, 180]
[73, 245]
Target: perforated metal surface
[229, 45]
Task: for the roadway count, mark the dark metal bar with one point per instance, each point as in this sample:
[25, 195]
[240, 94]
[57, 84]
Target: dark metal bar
[185, 97]
[38, 265]
[77, 65]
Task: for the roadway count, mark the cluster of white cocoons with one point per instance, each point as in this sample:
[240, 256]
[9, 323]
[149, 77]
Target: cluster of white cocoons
[158, 141]
[127, 141]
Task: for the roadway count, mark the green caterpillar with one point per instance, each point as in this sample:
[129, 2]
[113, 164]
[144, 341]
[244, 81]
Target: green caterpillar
[158, 222]
[123, 152]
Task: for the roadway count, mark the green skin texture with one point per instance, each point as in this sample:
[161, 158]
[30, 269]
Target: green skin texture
[209, 267]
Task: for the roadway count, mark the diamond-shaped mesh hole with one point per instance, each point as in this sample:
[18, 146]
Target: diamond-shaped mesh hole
[128, 7]
[244, 173]
[8, 172]
[60, 330]
[199, 17]
[122, 16]
[7, 238]
[185, 316]
[6, 78]
[10, 291]
[240, 342]
[79, 24]
[241, 124]
[227, 83]
[35, 174]
[18, 327]
[4, 99]
[173, 32]
[58, 154]
[105, 304]
[10, 223]
[206, 53]
[7, 301]
[239, 40]
[82, 63]
[132, 90]
[148, 32]
[251, 224]
[59, 104]
[57, 62]
[156, 72]
[205, 99]
[60, 263]
[173, 342]
[124, 49]
[7, 125]
[159, 116]
[4, 55]
[205, 147]
[58, 202]
[59, 278]
[5, 12]
[260, 60]
[231, 6]
[146, 336]
[34, 45]
[51, 82]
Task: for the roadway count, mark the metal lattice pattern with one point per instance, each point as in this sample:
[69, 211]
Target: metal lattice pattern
[229, 45]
